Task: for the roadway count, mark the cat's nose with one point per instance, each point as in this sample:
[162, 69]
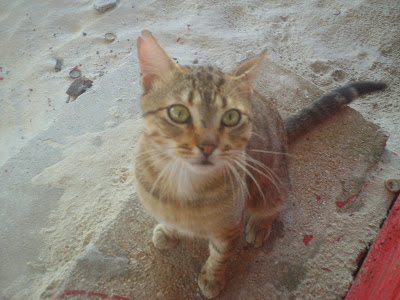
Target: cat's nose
[207, 149]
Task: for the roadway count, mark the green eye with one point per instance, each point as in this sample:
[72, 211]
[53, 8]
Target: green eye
[231, 118]
[179, 113]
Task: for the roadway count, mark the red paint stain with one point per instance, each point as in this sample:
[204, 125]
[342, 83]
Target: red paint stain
[326, 269]
[395, 153]
[1, 78]
[318, 197]
[343, 203]
[307, 238]
[98, 294]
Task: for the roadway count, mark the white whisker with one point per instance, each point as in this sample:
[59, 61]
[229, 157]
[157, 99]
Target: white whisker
[270, 152]
[251, 176]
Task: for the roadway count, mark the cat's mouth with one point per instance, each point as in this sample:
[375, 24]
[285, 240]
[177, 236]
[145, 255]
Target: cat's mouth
[204, 162]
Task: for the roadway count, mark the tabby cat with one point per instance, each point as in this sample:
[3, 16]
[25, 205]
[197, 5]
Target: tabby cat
[213, 149]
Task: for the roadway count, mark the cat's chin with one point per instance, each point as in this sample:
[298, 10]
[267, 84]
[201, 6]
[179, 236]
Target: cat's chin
[203, 167]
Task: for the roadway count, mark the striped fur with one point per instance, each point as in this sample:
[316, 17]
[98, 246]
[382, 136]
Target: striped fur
[198, 177]
[309, 117]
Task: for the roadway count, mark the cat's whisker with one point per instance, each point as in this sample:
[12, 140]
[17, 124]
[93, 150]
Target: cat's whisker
[251, 176]
[248, 158]
[268, 176]
[231, 180]
[271, 152]
[267, 169]
[160, 177]
[239, 179]
[258, 135]
[248, 161]
[154, 159]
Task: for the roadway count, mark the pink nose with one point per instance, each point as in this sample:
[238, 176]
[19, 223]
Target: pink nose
[207, 149]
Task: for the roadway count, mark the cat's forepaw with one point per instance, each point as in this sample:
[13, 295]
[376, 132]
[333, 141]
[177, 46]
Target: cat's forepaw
[210, 285]
[163, 239]
[258, 230]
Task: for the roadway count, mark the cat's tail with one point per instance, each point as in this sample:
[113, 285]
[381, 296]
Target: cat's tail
[307, 118]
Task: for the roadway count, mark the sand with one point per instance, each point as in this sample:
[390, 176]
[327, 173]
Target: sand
[327, 43]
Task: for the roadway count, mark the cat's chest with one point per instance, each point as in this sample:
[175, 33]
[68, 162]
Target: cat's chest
[200, 221]
[202, 217]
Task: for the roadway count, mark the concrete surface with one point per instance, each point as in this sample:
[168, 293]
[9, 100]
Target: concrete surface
[313, 249]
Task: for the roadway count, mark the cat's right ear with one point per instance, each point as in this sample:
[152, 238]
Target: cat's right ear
[154, 62]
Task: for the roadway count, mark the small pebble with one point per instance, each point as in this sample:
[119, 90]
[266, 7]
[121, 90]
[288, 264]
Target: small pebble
[196, 61]
[103, 5]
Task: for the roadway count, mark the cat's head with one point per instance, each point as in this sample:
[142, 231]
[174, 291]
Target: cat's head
[198, 115]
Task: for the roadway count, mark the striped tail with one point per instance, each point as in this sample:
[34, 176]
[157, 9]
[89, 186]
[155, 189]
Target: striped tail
[307, 118]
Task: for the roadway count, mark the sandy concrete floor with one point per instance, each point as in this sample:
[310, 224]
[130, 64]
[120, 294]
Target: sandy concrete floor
[69, 215]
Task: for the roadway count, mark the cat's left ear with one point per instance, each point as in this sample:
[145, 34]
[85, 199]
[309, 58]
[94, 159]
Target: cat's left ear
[247, 72]
[154, 62]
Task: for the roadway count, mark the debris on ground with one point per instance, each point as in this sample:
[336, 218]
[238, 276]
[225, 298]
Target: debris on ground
[103, 5]
[78, 87]
[58, 65]
[392, 185]
[74, 73]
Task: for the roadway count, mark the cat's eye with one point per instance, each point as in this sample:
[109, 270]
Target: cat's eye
[231, 118]
[179, 113]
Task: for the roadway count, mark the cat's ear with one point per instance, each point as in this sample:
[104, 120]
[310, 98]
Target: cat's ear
[247, 72]
[154, 62]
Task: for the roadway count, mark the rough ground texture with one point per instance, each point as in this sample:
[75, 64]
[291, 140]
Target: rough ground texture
[69, 217]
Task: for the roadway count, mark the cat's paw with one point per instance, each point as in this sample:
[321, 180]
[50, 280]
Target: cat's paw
[163, 239]
[209, 284]
[258, 230]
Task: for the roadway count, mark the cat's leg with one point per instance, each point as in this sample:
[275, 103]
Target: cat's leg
[164, 237]
[258, 229]
[212, 277]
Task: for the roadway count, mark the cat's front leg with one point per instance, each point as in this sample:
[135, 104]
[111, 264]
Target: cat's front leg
[212, 277]
[258, 229]
[164, 237]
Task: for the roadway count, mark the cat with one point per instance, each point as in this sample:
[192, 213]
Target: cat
[212, 150]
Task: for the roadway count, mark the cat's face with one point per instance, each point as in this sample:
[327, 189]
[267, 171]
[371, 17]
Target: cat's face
[199, 116]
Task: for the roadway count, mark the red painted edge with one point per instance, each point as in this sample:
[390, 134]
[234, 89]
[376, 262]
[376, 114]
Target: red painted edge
[379, 276]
